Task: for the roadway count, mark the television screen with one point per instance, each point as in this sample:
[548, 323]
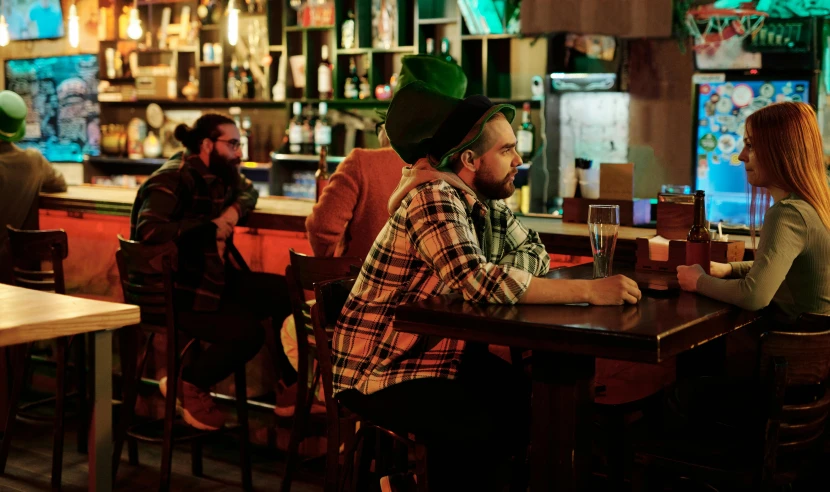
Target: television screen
[62, 95]
[721, 109]
[33, 19]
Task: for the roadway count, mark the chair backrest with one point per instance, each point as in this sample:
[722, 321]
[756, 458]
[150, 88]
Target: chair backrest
[29, 250]
[147, 279]
[331, 295]
[795, 366]
[305, 271]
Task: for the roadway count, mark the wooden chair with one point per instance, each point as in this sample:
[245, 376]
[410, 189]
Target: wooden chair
[331, 296]
[29, 250]
[786, 436]
[146, 278]
[302, 274]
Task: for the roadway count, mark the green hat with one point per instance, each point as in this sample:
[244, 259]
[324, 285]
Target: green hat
[12, 117]
[422, 121]
[445, 76]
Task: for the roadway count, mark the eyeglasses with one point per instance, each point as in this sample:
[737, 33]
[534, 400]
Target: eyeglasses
[232, 143]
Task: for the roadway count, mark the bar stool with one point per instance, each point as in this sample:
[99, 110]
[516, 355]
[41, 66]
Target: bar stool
[147, 281]
[331, 296]
[302, 274]
[29, 250]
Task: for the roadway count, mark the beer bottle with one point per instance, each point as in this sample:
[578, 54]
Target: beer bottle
[698, 242]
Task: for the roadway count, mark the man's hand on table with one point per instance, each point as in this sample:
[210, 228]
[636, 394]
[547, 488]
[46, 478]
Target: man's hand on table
[614, 291]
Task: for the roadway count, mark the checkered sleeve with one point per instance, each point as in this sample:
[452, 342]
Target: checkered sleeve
[154, 218]
[443, 237]
[523, 248]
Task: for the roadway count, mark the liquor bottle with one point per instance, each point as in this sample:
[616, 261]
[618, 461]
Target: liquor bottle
[234, 86]
[347, 32]
[322, 130]
[430, 47]
[698, 242]
[525, 136]
[248, 81]
[243, 76]
[445, 51]
[295, 130]
[308, 133]
[324, 85]
[246, 130]
[321, 177]
[243, 139]
[350, 89]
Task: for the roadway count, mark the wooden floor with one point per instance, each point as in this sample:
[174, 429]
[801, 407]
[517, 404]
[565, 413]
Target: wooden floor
[30, 462]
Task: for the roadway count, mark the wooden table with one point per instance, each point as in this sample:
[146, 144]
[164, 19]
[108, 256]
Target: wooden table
[29, 316]
[566, 340]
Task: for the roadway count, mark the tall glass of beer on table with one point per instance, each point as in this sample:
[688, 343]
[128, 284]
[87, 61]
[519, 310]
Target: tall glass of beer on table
[603, 225]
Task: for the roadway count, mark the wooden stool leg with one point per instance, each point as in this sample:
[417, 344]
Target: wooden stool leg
[129, 388]
[60, 400]
[169, 410]
[421, 460]
[616, 453]
[83, 397]
[18, 356]
[292, 462]
[244, 437]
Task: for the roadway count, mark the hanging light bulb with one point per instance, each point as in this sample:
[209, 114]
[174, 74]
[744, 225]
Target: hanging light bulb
[134, 27]
[233, 24]
[4, 31]
[72, 28]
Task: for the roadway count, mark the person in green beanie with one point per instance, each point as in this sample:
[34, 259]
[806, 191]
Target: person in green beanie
[23, 174]
[352, 208]
[450, 231]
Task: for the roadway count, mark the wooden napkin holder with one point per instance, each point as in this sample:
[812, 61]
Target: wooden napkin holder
[721, 252]
[632, 212]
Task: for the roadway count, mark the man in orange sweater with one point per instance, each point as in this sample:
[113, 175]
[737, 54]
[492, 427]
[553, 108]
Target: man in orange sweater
[352, 209]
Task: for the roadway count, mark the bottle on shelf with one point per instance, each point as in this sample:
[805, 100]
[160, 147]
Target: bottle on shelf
[308, 132]
[351, 88]
[364, 92]
[243, 139]
[321, 177]
[247, 144]
[430, 47]
[243, 86]
[322, 130]
[698, 241]
[295, 130]
[445, 51]
[233, 86]
[525, 137]
[248, 81]
[324, 85]
[347, 32]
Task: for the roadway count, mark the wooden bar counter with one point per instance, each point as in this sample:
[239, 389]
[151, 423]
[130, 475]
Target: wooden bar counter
[288, 215]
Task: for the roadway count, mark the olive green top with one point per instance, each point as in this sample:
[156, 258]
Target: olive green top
[791, 267]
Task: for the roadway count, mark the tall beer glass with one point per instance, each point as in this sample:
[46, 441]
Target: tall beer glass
[603, 224]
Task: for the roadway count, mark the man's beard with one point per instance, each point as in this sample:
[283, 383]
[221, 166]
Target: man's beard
[224, 169]
[494, 189]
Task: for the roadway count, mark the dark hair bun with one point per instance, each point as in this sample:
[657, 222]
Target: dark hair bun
[182, 133]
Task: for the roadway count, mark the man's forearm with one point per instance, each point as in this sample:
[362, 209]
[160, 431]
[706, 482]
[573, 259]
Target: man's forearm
[555, 291]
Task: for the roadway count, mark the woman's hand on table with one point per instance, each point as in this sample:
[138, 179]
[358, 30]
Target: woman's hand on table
[688, 275]
[720, 270]
[614, 291]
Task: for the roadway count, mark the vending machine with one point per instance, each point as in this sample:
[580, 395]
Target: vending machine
[780, 62]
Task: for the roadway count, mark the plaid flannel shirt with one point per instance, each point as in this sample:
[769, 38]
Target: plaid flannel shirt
[178, 203]
[430, 246]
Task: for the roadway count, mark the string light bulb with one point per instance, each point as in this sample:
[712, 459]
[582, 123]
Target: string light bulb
[4, 31]
[73, 28]
[233, 23]
[134, 30]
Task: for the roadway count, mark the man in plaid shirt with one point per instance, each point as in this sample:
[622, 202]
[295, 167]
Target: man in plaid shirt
[194, 201]
[450, 231]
